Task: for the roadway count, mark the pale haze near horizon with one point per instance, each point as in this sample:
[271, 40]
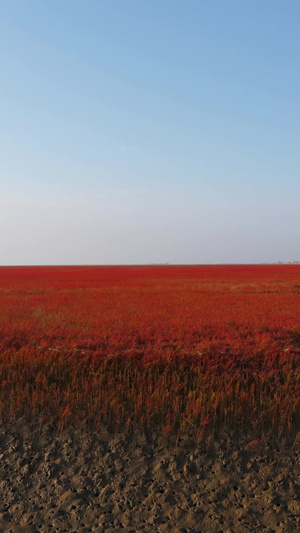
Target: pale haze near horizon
[149, 132]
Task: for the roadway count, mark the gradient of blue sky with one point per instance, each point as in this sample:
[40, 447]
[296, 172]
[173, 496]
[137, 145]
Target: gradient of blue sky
[149, 131]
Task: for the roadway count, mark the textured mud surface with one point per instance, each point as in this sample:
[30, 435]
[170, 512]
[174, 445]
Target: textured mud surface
[74, 482]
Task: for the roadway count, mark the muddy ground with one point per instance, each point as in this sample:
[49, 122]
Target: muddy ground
[75, 481]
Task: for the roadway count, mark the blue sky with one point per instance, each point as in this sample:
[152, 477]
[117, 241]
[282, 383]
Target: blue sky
[149, 131]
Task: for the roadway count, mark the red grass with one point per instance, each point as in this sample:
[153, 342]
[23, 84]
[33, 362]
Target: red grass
[198, 348]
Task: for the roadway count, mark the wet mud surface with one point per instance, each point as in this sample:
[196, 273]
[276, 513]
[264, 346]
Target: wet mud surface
[78, 482]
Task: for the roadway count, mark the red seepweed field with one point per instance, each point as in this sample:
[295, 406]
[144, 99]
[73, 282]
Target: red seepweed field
[179, 349]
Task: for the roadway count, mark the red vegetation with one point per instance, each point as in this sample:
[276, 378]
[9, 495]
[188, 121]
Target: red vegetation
[180, 348]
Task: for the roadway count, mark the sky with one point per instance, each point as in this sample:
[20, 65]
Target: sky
[155, 131]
